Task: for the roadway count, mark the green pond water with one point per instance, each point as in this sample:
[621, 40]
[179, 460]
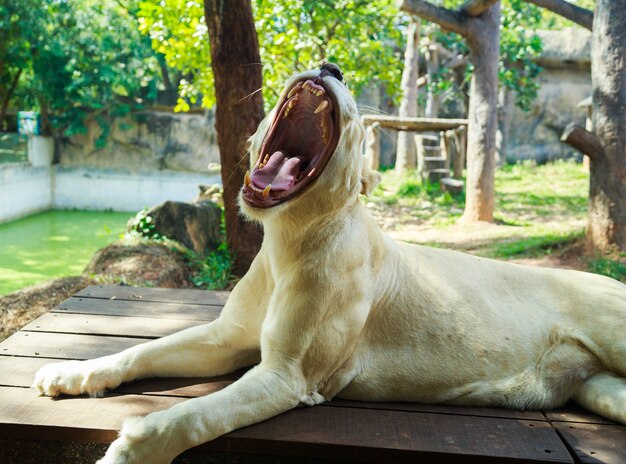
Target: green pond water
[53, 244]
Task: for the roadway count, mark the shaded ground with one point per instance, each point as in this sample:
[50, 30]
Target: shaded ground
[19, 308]
[487, 239]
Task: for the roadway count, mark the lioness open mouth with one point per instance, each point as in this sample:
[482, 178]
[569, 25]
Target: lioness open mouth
[297, 147]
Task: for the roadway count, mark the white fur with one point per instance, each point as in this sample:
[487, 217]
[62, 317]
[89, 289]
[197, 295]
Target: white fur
[333, 307]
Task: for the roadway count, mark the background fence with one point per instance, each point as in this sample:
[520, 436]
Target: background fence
[13, 147]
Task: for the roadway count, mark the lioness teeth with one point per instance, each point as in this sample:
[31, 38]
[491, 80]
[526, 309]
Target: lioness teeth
[246, 180]
[266, 191]
[293, 91]
[321, 107]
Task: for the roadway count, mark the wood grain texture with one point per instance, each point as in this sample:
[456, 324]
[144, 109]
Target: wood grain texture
[164, 295]
[91, 324]
[595, 443]
[141, 308]
[64, 346]
[572, 412]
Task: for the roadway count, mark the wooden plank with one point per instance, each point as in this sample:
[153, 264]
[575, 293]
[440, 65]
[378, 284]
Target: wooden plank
[139, 309]
[25, 414]
[413, 124]
[20, 372]
[64, 346]
[164, 295]
[441, 409]
[595, 443]
[324, 432]
[572, 412]
[394, 436]
[91, 324]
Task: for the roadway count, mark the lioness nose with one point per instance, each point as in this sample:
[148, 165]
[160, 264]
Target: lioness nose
[331, 69]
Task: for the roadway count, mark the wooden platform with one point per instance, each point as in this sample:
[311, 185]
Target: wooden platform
[103, 320]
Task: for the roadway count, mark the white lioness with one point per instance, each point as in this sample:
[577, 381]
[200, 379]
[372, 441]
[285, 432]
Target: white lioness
[332, 307]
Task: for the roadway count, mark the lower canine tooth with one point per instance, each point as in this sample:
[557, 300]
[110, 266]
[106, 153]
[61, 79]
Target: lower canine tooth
[246, 180]
[266, 191]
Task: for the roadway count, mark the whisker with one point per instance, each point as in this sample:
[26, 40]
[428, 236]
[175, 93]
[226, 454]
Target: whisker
[249, 96]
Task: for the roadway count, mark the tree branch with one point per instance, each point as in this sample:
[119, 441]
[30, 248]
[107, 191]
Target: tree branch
[581, 16]
[476, 7]
[448, 19]
[582, 140]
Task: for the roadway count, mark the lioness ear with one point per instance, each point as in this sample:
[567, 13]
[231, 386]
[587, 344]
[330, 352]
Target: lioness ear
[369, 178]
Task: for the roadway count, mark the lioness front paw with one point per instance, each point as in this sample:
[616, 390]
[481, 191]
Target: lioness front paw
[92, 377]
[138, 443]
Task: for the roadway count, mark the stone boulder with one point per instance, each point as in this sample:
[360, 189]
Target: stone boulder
[195, 225]
[139, 264]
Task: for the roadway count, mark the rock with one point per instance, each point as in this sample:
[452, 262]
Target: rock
[453, 186]
[195, 225]
[565, 47]
[139, 264]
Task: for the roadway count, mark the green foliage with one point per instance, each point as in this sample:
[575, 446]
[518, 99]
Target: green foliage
[363, 36]
[143, 226]
[177, 30]
[80, 59]
[536, 245]
[212, 272]
[407, 190]
[615, 269]
[519, 46]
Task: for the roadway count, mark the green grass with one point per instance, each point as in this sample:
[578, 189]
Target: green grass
[614, 268]
[53, 244]
[540, 211]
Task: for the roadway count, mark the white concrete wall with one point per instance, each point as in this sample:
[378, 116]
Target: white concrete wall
[101, 189]
[24, 189]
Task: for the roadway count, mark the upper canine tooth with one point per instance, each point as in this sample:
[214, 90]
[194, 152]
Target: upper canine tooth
[322, 106]
[293, 91]
[292, 103]
[266, 191]
[246, 180]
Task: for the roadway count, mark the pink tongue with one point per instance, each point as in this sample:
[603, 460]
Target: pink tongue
[280, 171]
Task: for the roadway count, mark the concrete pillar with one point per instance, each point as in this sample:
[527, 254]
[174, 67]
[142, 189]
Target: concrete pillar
[40, 150]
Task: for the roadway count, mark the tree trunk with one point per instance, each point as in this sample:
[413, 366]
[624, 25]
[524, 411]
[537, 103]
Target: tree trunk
[7, 97]
[236, 65]
[479, 22]
[433, 100]
[607, 190]
[484, 45]
[406, 156]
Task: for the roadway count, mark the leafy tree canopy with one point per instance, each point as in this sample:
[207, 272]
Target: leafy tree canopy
[363, 36]
[519, 46]
[79, 58]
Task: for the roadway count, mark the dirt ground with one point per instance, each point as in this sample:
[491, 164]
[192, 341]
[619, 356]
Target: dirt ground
[19, 308]
[472, 238]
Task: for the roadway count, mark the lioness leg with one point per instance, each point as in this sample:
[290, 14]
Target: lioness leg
[205, 350]
[224, 345]
[159, 437]
[604, 394]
